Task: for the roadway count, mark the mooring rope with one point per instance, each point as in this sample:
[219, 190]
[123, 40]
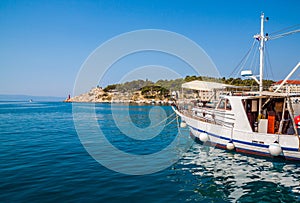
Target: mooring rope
[164, 121]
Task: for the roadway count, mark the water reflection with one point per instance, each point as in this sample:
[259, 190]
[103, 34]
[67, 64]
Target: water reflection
[236, 177]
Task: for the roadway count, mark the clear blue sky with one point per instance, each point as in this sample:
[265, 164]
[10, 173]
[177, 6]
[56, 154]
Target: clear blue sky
[44, 43]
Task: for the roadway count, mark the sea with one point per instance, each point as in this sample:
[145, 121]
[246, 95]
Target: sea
[58, 152]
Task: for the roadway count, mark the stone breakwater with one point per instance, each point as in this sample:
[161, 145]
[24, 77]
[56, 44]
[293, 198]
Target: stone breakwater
[97, 95]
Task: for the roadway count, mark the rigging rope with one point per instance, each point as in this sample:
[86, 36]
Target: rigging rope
[284, 34]
[269, 62]
[164, 121]
[284, 29]
[242, 60]
[254, 59]
[242, 67]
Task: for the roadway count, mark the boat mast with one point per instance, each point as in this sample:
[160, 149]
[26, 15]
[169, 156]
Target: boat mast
[261, 52]
[261, 58]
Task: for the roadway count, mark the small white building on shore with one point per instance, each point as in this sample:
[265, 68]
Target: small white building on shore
[291, 86]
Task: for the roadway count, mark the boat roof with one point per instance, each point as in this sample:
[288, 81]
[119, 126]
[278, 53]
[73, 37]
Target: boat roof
[274, 94]
[266, 94]
[204, 85]
[210, 86]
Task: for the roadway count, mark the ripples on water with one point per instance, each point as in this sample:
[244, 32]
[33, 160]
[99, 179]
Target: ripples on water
[234, 177]
[42, 160]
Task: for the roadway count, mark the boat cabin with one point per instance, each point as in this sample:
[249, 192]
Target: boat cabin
[275, 117]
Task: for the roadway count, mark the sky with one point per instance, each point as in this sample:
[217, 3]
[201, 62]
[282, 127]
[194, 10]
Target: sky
[43, 44]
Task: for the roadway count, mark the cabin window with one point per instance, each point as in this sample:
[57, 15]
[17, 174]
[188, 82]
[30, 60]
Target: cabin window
[228, 105]
[224, 104]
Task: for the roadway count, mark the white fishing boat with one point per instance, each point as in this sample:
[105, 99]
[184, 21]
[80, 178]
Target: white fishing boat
[259, 122]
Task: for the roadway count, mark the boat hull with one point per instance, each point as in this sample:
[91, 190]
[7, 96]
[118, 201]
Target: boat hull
[245, 151]
[251, 143]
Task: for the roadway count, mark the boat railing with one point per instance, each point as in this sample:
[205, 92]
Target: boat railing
[216, 116]
[206, 113]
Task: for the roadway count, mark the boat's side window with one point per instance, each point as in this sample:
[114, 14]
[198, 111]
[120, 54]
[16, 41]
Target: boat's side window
[228, 105]
[222, 104]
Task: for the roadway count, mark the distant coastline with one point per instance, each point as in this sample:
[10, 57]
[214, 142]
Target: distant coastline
[22, 98]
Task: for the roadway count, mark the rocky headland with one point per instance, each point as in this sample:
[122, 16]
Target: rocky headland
[98, 95]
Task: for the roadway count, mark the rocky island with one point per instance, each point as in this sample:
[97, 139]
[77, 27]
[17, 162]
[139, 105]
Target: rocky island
[98, 95]
[137, 91]
[148, 92]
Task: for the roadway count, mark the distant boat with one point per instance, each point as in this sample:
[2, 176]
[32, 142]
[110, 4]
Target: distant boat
[30, 100]
[261, 123]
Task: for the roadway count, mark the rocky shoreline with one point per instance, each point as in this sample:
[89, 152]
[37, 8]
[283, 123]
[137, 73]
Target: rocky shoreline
[98, 95]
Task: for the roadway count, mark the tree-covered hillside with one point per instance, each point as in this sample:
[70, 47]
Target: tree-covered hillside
[175, 85]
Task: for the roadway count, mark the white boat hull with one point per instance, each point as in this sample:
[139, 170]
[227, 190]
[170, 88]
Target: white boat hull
[244, 142]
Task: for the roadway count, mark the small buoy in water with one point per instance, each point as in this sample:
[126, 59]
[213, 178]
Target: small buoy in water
[230, 145]
[183, 124]
[275, 149]
[203, 137]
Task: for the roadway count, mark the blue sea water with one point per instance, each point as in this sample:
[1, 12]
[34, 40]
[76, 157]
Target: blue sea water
[42, 159]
